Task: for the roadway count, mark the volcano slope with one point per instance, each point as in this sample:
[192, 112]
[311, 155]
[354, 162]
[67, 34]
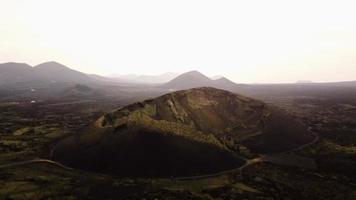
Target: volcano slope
[184, 133]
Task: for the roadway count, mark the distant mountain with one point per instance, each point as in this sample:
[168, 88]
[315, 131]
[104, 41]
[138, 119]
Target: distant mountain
[188, 80]
[150, 79]
[15, 72]
[56, 72]
[224, 83]
[48, 72]
[194, 79]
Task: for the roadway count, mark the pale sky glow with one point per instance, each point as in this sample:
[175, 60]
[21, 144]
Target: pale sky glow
[246, 41]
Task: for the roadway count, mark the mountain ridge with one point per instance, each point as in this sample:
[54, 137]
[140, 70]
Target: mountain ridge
[46, 72]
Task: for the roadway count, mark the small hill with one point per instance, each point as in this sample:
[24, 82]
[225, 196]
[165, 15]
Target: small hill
[194, 79]
[80, 91]
[189, 132]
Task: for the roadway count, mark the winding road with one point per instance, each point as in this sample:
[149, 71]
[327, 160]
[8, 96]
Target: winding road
[253, 161]
[36, 160]
[247, 163]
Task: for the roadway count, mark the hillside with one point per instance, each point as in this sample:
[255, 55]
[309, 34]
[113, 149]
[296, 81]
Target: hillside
[205, 127]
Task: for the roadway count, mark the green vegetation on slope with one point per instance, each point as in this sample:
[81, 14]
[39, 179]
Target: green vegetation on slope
[205, 127]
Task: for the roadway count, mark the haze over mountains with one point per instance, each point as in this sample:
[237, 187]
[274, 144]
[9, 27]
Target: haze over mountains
[54, 80]
[53, 72]
[11, 73]
[150, 79]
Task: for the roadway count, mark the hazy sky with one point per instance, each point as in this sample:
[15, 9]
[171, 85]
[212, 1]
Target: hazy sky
[247, 40]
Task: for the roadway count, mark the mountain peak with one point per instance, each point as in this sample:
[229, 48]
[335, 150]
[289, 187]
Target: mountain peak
[52, 65]
[194, 79]
[195, 73]
[192, 76]
[225, 80]
[54, 71]
[222, 79]
[188, 80]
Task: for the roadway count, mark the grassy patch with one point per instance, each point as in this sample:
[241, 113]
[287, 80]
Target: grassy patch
[193, 185]
[22, 131]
